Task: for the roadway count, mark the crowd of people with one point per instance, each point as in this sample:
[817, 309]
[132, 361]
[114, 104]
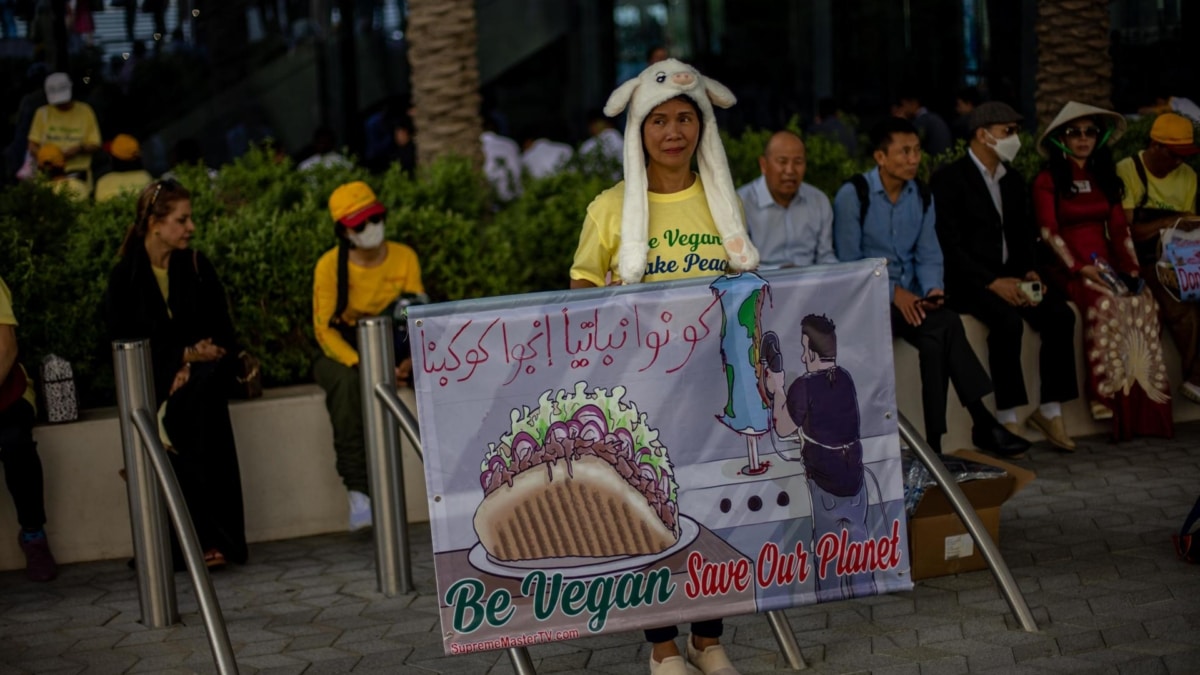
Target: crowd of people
[976, 240]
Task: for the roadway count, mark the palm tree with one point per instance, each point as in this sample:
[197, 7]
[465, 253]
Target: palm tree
[442, 53]
[1074, 63]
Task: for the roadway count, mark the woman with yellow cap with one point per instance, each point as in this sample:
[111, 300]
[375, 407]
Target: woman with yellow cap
[365, 275]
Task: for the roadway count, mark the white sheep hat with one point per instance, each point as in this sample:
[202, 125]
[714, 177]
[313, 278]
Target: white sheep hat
[661, 82]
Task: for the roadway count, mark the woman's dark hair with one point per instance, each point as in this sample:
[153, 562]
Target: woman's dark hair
[1100, 164]
[699, 119]
[156, 201]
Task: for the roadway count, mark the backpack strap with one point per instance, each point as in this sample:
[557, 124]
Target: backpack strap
[1141, 173]
[861, 189]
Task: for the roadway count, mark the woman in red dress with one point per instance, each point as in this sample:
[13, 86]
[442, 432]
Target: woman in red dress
[1077, 202]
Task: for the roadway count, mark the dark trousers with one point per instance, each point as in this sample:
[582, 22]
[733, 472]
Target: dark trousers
[205, 458]
[343, 400]
[1181, 318]
[1054, 321]
[713, 628]
[945, 356]
[22, 466]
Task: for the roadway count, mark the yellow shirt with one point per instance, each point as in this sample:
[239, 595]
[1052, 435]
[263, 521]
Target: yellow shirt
[683, 238]
[67, 129]
[7, 318]
[1174, 192]
[114, 184]
[371, 290]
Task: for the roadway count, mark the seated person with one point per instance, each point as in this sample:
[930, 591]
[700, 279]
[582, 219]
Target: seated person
[894, 219]
[790, 221]
[990, 241]
[18, 451]
[166, 292]
[127, 174]
[1159, 189]
[52, 164]
[363, 276]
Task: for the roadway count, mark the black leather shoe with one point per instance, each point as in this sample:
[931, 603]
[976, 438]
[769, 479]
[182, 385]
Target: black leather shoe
[996, 439]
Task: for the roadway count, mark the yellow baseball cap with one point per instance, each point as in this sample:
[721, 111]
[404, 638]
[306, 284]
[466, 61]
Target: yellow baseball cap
[352, 203]
[125, 148]
[1176, 133]
[51, 154]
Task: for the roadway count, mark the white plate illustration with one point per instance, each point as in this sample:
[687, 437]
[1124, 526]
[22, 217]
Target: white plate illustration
[576, 567]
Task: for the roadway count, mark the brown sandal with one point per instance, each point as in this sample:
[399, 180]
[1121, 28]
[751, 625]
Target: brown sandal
[214, 559]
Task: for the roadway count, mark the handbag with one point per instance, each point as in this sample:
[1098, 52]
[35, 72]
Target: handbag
[1178, 265]
[58, 394]
[1187, 543]
[249, 378]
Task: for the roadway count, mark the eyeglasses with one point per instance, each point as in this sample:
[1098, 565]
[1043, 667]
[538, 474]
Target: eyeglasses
[373, 220]
[1078, 132]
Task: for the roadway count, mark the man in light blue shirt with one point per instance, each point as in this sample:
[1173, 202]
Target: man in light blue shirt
[790, 221]
[896, 222]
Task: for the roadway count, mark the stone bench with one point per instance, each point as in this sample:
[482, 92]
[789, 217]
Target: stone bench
[289, 480]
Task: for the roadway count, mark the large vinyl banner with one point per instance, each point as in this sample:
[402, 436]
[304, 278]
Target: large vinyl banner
[642, 456]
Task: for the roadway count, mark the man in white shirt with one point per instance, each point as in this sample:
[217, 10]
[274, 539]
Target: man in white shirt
[502, 164]
[544, 157]
[790, 221]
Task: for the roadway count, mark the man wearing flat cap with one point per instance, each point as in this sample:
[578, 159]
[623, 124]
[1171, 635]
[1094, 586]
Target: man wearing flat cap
[989, 241]
[1159, 189]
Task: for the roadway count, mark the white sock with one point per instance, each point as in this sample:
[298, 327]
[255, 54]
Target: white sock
[1008, 416]
[1051, 410]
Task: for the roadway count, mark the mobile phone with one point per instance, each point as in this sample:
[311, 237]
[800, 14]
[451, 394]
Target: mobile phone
[933, 301]
[1032, 290]
[1134, 284]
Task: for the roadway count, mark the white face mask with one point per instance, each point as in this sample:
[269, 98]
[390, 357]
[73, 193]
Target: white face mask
[370, 237]
[1006, 148]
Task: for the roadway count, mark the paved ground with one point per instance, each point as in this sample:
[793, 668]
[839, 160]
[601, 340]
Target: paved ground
[1088, 541]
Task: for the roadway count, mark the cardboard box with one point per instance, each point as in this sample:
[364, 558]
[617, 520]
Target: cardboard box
[938, 542]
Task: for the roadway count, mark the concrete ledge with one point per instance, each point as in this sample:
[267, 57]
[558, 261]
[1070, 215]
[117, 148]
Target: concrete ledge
[1078, 420]
[289, 481]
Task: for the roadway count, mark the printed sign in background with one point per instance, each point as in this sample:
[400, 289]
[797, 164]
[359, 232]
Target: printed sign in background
[622, 458]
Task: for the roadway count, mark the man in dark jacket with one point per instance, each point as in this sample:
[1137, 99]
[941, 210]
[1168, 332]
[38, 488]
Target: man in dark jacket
[989, 241]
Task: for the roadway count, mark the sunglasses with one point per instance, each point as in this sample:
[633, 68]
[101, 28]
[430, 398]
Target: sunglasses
[1085, 132]
[158, 186]
[373, 220]
[1010, 129]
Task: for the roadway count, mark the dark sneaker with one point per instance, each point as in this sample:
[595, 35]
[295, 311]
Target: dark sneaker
[39, 561]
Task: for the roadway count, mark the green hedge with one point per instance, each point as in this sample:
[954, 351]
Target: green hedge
[265, 224]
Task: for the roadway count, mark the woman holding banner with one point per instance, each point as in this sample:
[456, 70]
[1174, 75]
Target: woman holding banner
[663, 222]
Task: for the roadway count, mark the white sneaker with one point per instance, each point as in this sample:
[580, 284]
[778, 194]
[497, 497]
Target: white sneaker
[360, 510]
[1190, 391]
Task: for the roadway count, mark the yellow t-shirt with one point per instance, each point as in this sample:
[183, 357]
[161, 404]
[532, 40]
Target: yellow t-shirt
[113, 184]
[1174, 192]
[371, 290]
[683, 238]
[7, 318]
[67, 129]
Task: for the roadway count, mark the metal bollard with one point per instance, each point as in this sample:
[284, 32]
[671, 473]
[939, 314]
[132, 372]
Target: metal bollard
[376, 368]
[147, 514]
[966, 513]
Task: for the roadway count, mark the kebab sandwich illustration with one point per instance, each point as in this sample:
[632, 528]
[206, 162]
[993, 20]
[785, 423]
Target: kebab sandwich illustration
[582, 475]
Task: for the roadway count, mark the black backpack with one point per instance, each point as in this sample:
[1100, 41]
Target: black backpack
[861, 189]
